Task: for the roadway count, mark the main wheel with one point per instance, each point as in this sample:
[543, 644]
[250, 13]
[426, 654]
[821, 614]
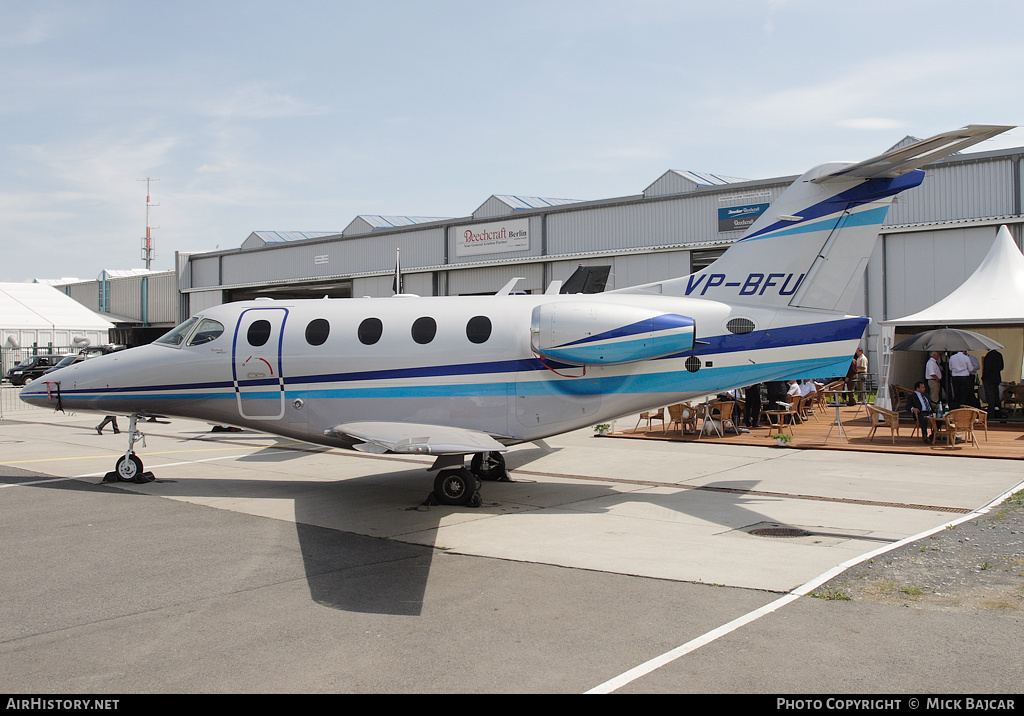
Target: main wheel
[455, 487]
[488, 466]
[128, 468]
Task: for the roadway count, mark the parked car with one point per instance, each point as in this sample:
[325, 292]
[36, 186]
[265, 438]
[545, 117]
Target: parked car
[33, 367]
[68, 360]
[86, 354]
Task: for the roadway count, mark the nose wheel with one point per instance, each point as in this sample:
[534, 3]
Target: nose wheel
[128, 468]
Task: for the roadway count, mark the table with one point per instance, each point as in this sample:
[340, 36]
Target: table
[936, 423]
[836, 394]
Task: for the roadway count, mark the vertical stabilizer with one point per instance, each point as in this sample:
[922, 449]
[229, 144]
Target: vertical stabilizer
[810, 248]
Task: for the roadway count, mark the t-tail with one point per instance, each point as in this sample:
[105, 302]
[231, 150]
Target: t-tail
[810, 247]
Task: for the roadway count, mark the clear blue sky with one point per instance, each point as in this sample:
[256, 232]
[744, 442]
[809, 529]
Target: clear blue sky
[301, 115]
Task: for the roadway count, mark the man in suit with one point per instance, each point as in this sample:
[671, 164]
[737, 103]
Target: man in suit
[992, 374]
[921, 407]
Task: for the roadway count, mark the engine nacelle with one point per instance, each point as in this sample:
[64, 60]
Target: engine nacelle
[593, 333]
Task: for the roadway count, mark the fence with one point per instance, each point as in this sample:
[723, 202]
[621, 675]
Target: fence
[10, 357]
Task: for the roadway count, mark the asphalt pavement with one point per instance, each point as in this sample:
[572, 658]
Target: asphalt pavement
[254, 564]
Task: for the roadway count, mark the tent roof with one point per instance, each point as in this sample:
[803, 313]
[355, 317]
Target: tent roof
[993, 294]
[28, 306]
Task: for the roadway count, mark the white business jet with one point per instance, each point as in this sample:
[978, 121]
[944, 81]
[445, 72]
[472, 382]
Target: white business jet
[472, 376]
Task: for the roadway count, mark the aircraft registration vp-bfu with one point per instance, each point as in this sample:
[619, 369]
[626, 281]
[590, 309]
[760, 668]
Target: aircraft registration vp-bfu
[472, 376]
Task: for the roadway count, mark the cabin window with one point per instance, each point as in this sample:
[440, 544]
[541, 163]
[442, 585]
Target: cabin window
[478, 330]
[424, 329]
[370, 331]
[317, 332]
[207, 331]
[258, 333]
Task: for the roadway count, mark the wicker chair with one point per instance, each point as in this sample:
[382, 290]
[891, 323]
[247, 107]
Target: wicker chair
[960, 421]
[650, 415]
[683, 415]
[882, 418]
[981, 419]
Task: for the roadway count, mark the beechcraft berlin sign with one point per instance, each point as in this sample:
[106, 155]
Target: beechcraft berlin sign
[492, 238]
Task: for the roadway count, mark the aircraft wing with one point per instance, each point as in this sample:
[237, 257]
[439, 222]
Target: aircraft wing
[417, 438]
[900, 161]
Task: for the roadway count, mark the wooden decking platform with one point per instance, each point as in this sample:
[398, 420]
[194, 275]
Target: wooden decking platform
[1004, 441]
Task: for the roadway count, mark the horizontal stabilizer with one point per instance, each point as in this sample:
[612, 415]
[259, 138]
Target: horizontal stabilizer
[417, 438]
[900, 161]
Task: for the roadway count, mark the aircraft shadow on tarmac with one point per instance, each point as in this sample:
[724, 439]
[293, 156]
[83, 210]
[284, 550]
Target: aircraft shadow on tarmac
[347, 570]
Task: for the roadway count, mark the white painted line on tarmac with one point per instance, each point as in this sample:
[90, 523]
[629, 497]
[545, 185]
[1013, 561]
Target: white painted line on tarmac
[101, 474]
[668, 657]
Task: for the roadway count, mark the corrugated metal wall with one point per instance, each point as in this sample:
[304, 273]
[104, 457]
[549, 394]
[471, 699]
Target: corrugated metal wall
[163, 298]
[923, 267]
[972, 190]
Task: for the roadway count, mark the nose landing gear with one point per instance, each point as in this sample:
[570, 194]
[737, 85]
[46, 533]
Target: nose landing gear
[129, 466]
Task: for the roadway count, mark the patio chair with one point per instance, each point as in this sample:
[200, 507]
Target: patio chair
[882, 418]
[722, 412]
[981, 419]
[1013, 398]
[960, 422]
[650, 415]
[683, 415]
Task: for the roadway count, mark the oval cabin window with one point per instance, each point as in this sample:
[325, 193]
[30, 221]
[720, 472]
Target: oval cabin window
[478, 330]
[317, 332]
[370, 331]
[258, 333]
[424, 329]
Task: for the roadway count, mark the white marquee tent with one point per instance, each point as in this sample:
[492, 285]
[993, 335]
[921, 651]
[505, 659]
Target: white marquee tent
[34, 314]
[990, 302]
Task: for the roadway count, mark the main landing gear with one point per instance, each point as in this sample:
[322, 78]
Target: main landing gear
[129, 466]
[458, 485]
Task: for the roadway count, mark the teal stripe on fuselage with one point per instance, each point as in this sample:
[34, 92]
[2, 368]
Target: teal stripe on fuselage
[677, 381]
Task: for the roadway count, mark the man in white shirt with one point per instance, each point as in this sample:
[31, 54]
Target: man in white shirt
[933, 374]
[960, 371]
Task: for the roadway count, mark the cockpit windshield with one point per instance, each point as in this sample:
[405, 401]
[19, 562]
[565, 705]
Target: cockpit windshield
[206, 331]
[175, 336]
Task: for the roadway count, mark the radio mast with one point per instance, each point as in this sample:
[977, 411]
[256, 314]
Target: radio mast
[147, 241]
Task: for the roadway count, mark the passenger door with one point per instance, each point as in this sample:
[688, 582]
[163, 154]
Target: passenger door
[257, 365]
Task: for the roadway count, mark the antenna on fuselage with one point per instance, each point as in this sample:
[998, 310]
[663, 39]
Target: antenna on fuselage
[396, 284]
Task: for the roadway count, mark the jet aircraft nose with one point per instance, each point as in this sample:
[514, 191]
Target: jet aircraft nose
[36, 392]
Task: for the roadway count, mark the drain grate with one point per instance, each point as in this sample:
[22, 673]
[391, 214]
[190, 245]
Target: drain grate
[780, 532]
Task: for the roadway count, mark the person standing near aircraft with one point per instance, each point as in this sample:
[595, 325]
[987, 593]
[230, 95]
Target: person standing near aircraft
[933, 374]
[753, 405]
[859, 372]
[960, 370]
[991, 376]
[112, 419]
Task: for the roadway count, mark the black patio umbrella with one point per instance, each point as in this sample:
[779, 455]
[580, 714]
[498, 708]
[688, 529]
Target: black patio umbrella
[947, 339]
